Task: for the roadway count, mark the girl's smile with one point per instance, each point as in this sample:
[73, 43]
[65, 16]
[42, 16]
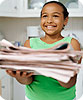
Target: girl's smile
[50, 27]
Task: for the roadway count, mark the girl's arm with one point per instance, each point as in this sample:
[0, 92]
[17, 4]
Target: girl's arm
[22, 77]
[76, 46]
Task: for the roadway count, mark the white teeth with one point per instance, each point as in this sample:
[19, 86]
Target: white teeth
[49, 27]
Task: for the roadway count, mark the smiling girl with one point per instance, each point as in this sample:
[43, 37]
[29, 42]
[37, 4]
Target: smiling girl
[54, 16]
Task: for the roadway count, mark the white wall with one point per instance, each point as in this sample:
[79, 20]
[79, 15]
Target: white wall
[18, 90]
[75, 25]
[16, 28]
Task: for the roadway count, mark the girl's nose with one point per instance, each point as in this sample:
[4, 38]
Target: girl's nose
[49, 20]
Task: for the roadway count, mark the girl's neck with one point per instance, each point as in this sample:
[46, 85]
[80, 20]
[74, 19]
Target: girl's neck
[51, 39]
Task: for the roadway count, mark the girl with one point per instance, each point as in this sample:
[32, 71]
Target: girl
[54, 16]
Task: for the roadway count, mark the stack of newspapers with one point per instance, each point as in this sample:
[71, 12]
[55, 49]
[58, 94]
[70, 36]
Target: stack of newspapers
[59, 62]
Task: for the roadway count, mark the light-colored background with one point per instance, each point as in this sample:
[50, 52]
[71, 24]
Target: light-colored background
[16, 28]
[14, 21]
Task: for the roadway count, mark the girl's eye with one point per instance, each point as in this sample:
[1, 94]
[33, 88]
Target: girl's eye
[55, 16]
[44, 16]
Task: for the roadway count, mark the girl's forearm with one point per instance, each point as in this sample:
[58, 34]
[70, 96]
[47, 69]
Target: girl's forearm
[71, 83]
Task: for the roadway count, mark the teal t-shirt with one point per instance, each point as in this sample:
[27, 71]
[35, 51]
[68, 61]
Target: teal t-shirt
[46, 88]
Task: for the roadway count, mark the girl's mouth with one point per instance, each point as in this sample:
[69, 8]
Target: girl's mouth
[50, 26]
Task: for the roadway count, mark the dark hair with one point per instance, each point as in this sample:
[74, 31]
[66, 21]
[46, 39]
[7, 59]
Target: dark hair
[65, 12]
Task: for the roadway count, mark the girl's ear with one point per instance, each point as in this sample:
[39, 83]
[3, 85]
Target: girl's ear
[66, 20]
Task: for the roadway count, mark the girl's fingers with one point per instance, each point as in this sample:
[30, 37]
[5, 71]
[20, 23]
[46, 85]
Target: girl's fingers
[30, 74]
[26, 74]
[10, 73]
[18, 73]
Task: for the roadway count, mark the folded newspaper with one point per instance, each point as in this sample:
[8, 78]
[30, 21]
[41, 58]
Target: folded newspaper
[58, 62]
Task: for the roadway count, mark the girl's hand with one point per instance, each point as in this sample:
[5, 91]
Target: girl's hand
[22, 77]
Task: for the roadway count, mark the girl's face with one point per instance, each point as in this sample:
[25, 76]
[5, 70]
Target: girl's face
[52, 19]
